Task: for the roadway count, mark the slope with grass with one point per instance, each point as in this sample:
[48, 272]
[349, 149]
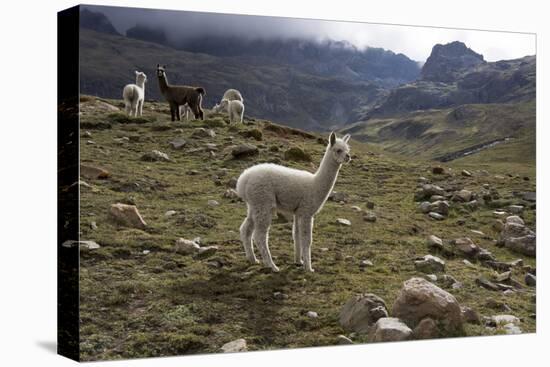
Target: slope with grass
[141, 298]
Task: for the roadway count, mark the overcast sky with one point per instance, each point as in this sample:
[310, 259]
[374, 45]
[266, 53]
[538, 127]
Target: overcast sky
[415, 42]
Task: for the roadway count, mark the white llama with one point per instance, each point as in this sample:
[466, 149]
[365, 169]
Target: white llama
[265, 187]
[234, 108]
[134, 95]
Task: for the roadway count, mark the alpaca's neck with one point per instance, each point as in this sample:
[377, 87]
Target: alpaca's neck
[163, 83]
[325, 177]
[141, 84]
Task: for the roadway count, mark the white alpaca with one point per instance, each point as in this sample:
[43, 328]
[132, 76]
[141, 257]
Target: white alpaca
[134, 95]
[233, 95]
[234, 108]
[266, 187]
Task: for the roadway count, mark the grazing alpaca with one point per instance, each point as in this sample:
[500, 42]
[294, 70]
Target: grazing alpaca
[235, 109]
[265, 187]
[185, 109]
[134, 95]
[233, 95]
[179, 95]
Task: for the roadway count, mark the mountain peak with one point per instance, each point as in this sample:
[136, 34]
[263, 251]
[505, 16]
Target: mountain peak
[446, 60]
[96, 21]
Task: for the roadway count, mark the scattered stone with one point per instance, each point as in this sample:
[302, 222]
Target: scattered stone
[440, 207]
[500, 320]
[370, 205]
[426, 329]
[530, 280]
[424, 207]
[389, 329]
[468, 264]
[244, 150]
[90, 245]
[434, 242]
[431, 277]
[213, 203]
[427, 191]
[463, 195]
[234, 346]
[430, 264]
[155, 156]
[361, 312]
[512, 329]
[499, 213]
[436, 216]
[201, 132]
[370, 217]
[503, 277]
[90, 172]
[466, 246]
[515, 219]
[526, 245]
[515, 209]
[146, 252]
[297, 154]
[438, 170]
[436, 198]
[343, 221]
[280, 296]
[487, 284]
[365, 263]
[343, 340]
[419, 299]
[466, 173]
[186, 247]
[470, 316]
[170, 213]
[93, 225]
[312, 314]
[231, 194]
[127, 215]
[472, 205]
[178, 143]
[338, 197]
[356, 208]
[530, 196]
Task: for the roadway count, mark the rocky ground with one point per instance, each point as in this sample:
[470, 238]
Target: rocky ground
[404, 249]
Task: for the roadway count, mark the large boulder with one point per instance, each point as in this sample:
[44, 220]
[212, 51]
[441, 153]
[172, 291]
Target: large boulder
[419, 299]
[388, 329]
[127, 215]
[361, 312]
[518, 237]
[244, 150]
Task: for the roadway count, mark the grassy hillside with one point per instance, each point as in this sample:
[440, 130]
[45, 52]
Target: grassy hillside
[140, 298]
[434, 133]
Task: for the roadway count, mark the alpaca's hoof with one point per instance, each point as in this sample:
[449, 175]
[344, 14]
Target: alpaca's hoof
[298, 262]
[254, 261]
[274, 268]
[310, 270]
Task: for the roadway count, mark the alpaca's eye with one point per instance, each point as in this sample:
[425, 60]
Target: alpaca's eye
[339, 151]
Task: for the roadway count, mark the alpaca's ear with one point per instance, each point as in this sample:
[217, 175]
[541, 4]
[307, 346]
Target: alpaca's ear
[346, 138]
[158, 66]
[137, 72]
[332, 138]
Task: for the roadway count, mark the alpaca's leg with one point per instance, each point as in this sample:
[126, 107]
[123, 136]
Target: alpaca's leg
[297, 241]
[247, 228]
[178, 116]
[127, 107]
[140, 105]
[306, 227]
[173, 111]
[262, 221]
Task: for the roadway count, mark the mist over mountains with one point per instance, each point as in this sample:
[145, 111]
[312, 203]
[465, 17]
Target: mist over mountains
[302, 82]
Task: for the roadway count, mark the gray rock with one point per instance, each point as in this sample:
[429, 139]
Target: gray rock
[370, 205]
[487, 284]
[516, 209]
[338, 197]
[234, 346]
[207, 251]
[470, 316]
[426, 329]
[365, 263]
[430, 264]
[436, 216]
[170, 213]
[466, 173]
[466, 246]
[419, 299]
[434, 242]
[424, 206]
[231, 194]
[515, 219]
[178, 143]
[201, 132]
[389, 329]
[530, 280]
[244, 150]
[155, 156]
[530, 196]
[427, 191]
[501, 320]
[512, 329]
[312, 314]
[361, 312]
[343, 221]
[463, 195]
[186, 247]
[127, 215]
[526, 245]
[213, 203]
[440, 207]
[431, 277]
[370, 217]
[280, 296]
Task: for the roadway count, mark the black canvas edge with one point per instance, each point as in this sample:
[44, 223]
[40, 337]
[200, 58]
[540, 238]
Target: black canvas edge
[68, 191]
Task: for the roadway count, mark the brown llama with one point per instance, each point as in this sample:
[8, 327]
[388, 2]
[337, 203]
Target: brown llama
[179, 95]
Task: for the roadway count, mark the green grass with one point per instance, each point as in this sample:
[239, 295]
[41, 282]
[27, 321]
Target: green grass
[164, 303]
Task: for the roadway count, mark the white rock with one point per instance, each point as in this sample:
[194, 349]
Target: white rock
[389, 329]
[238, 345]
[505, 319]
[169, 213]
[213, 203]
[312, 314]
[343, 221]
[186, 247]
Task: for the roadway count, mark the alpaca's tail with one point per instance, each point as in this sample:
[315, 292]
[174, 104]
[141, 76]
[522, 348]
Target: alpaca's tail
[201, 90]
[241, 185]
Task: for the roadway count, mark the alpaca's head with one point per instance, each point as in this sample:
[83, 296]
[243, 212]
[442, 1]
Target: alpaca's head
[220, 106]
[339, 148]
[161, 71]
[141, 78]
